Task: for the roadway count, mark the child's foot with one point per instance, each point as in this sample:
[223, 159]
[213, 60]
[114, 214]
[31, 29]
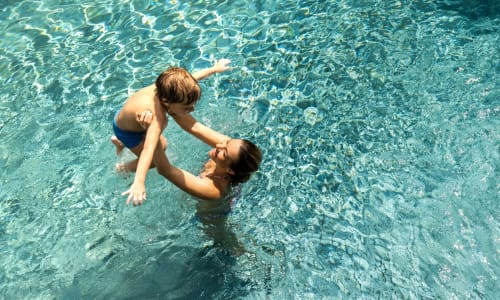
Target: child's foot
[120, 167]
[122, 170]
[118, 144]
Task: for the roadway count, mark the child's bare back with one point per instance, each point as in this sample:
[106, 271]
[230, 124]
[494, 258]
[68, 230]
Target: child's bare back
[142, 100]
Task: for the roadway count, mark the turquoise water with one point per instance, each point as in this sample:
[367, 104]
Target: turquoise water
[379, 123]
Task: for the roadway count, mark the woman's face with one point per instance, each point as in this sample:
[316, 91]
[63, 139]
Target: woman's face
[225, 152]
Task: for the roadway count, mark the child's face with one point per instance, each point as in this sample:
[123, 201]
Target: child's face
[176, 109]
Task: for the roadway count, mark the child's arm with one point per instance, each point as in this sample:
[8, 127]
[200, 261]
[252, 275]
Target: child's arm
[204, 133]
[189, 124]
[184, 180]
[137, 192]
[219, 67]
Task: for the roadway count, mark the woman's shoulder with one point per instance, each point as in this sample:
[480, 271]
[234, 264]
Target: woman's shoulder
[214, 188]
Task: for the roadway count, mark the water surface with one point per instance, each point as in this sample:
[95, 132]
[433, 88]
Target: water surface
[379, 126]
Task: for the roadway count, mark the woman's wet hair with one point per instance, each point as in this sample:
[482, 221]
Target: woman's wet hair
[176, 85]
[248, 162]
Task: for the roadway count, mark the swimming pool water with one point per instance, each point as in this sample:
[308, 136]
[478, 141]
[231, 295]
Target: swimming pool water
[379, 123]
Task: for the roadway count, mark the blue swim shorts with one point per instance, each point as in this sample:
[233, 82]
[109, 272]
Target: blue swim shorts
[129, 138]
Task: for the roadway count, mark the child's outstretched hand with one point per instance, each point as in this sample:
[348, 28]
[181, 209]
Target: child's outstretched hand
[221, 65]
[136, 193]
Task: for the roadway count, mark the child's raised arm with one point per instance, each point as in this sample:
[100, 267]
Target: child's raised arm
[189, 124]
[220, 66]
[137, 192]
[204, 133]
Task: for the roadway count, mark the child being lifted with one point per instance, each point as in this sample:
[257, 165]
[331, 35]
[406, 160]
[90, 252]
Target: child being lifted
[175, 92]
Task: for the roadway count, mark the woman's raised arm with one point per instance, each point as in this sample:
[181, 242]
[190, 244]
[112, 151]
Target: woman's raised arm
[184, 180]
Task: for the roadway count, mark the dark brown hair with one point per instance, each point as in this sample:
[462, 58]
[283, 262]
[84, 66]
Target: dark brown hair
[176, 85]
[248, 162]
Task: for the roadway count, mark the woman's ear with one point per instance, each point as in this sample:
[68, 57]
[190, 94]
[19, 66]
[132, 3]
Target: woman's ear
[230, 172]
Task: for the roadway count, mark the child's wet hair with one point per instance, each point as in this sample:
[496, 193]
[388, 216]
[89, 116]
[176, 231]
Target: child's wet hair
[176, 85]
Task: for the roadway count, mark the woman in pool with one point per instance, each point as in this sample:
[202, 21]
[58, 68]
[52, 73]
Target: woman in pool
[232, 161]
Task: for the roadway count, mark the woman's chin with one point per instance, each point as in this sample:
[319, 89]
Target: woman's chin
[211, 154]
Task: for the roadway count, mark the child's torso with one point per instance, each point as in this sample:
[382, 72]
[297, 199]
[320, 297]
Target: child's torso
[142, 100]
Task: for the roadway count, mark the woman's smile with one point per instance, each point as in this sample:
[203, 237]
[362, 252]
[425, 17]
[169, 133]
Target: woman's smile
[212, 153]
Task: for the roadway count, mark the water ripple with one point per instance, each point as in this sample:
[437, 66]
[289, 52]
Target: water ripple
[378, 122]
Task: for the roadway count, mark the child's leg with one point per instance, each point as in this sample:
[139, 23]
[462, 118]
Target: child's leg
[131, 166]
[118, 144]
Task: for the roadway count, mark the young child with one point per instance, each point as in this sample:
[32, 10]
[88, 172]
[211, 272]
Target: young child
[175, 92]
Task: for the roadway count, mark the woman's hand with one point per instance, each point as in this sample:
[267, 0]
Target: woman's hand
[144, 119]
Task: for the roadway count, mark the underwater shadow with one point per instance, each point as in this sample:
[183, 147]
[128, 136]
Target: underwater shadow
[124, 269]
[177, 273]
[209, 275]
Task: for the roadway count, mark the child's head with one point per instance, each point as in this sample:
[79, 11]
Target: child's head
[176, 85]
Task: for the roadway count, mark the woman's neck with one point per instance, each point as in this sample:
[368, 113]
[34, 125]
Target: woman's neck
[210, 170]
